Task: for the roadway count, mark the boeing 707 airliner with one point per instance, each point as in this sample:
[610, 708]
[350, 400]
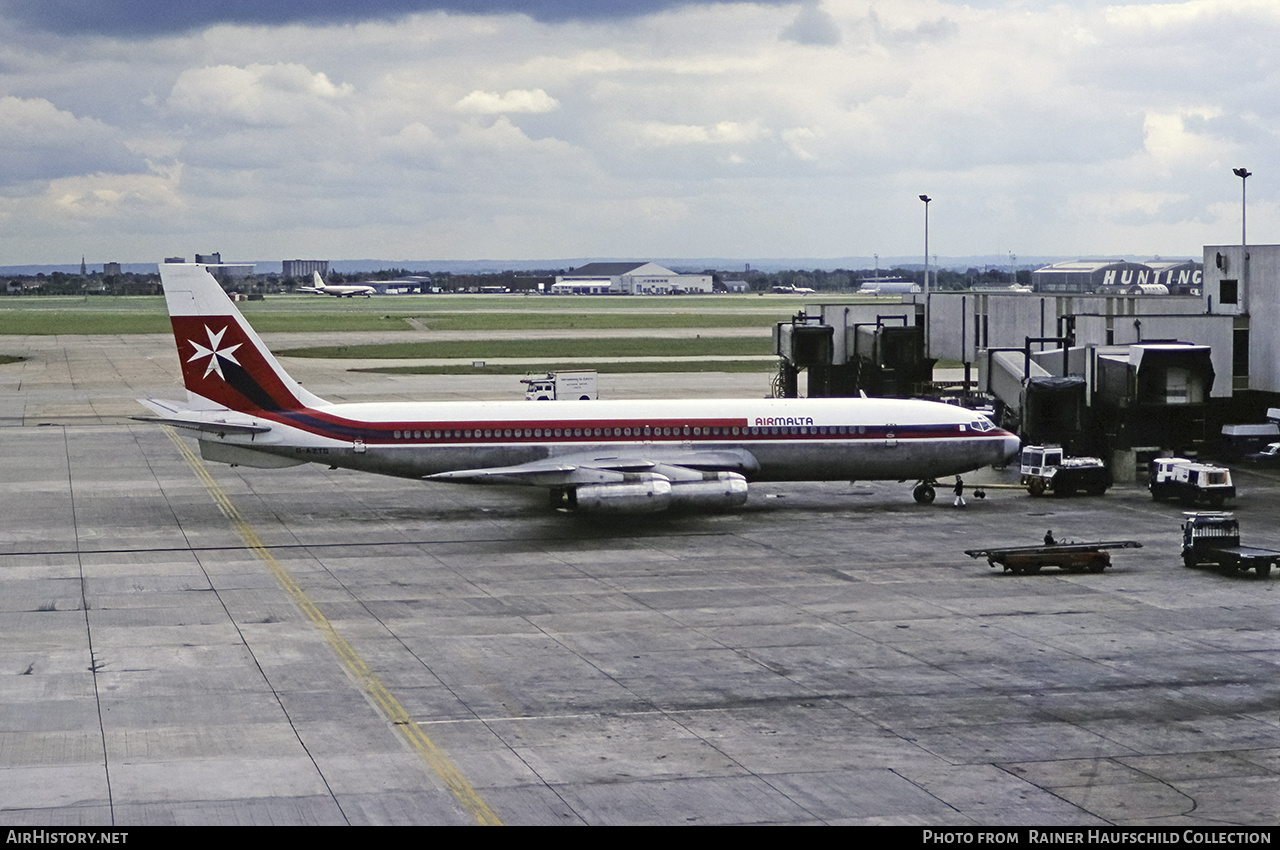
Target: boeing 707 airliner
[625, 456]
[339, 290]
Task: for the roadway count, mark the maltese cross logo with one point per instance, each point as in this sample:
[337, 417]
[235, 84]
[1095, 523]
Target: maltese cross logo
[212, 352]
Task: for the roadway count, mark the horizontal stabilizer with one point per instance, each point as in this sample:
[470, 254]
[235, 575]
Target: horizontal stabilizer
[220, 422]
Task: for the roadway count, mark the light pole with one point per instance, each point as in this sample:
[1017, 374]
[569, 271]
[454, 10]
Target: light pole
[926, 200]
[1244, 174]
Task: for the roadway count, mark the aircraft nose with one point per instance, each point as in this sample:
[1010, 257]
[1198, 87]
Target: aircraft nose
[1011, 444]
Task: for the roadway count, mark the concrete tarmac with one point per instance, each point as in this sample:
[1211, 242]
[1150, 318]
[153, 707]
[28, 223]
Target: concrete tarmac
[192, 644]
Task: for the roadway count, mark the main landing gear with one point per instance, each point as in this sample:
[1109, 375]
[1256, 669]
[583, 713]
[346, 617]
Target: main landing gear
[924, 491]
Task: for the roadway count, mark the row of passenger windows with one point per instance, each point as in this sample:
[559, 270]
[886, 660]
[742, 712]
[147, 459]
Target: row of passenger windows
[646, 431]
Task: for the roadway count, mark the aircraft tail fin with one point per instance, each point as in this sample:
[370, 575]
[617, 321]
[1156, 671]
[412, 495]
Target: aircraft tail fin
[317, 281]
[224, 362]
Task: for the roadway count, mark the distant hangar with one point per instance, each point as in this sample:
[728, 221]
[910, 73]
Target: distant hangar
[1119, 277]
[630, 278]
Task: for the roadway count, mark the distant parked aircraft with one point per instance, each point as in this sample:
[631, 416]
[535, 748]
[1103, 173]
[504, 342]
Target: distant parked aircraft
[340, 290]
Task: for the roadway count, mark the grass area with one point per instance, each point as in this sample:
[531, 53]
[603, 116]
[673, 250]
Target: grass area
[603, 367]
[466, 303]
[57, 314]
[48, 322]
[267, 322]
[475, 313]
[591, 321]
[84, 303]
[472, 313]
[9, 358]
[479, 349]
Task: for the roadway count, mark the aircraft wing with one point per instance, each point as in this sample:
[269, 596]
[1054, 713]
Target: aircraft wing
[567, 470]
[221, 422]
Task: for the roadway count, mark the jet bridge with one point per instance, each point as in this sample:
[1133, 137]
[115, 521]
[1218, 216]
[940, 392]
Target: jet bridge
[888, 358]
[1154, 394]
[1042, 408]
[1132, 398]
[853, 349]
[805, 342]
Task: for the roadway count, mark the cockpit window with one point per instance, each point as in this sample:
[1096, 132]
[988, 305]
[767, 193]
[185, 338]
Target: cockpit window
[981, 425]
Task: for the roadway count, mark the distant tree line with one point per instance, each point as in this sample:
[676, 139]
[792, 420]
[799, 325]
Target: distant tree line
[65, 283]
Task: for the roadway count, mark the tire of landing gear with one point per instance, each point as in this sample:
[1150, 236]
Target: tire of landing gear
[923, 494]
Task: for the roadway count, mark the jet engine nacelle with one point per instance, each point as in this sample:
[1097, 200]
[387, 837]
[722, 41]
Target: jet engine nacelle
[645, 495]
[716, 491]
[652, 493]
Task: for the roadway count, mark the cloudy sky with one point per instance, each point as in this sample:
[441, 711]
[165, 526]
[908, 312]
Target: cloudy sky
[501, 129]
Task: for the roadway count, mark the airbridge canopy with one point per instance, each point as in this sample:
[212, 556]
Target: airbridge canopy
[1156, 374]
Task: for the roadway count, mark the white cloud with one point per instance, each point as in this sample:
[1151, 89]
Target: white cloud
[275, 95]
[799, 141]
[1171, 145]
[516, 100]
[415, 139]
[1190, 13]
[150, 196]
[40, 141]
[720, 133]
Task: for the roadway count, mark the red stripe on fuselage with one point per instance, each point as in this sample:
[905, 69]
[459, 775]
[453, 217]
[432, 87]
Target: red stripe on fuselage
[482, 432]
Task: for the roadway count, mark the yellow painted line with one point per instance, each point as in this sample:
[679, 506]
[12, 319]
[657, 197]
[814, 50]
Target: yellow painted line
[453, 779]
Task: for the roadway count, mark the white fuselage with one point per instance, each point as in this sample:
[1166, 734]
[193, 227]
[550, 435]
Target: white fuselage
[783, 439]
[345, 291]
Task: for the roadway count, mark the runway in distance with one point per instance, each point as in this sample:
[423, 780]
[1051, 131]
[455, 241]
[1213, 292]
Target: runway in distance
[340, 290]
[607, 456]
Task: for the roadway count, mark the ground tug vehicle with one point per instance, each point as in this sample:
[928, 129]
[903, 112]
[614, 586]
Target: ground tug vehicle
[1212, 538]
[1048, 469]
